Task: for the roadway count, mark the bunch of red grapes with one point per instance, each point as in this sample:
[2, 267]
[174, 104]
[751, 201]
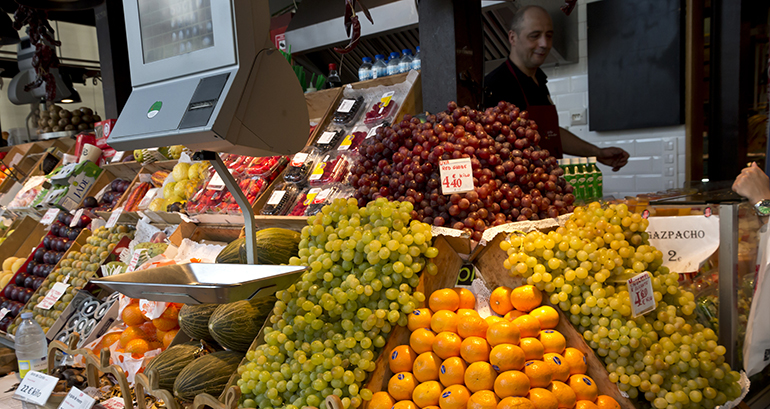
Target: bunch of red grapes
[513, 178]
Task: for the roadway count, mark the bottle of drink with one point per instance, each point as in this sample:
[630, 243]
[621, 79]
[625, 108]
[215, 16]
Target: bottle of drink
[589, 179]
[31, 346]
[406, 61]
[393, 64]
[380, 68]
[580, 172]
[598, 179]
[365, 70]
[333, 81]
[416, 62]
[571, 177]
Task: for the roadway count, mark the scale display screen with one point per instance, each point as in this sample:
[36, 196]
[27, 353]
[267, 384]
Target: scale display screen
[174, 27]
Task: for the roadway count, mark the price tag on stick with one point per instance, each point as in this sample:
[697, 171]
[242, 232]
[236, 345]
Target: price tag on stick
[35, 388]
[77, 399]
[76, 218]
[456, 176]
[53, 295]
[641, 293]
[114, 217]
[50, 216]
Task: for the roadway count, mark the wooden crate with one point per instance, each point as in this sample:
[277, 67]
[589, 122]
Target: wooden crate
[26, 236]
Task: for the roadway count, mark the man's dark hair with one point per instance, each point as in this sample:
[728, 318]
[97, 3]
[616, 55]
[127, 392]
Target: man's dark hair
[518, 18]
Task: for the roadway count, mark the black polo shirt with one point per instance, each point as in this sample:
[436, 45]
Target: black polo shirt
[500, 85]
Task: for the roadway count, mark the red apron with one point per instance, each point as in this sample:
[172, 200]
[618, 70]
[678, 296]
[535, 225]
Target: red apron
[546, 118]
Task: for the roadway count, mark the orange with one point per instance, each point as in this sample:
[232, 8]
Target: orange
[513, 314]
[472, 327]
[607, 402]
[553, 341]
[539, 373]
[171, 313]
[558, 366]
[421, 340]
[503, 333]
[109, 339]
[452, 371]
[512, 383]
[404, 404]
[426, 367]
[156, 345]
[137, 347]
[444, 299]
[533, 349]
[132, 315]
[547, 315]
[576, 361]
[465, 312]
[526, 298]
[129, 334]
[447, 345]
[401, 359]
[165, 324]
[585, 404]
[515, 403]
[506, 357]
[528, 325]
[151, 332]
[454, 397]
[381, 400]
[401, 386]
[419, 318]
[500, 300]
[480, 375]
[584, 387]
[564, 394]
[543, 398]
[444, 321]
[427, 394]
[483, 400]
[168, 338]
[467, 299]
[474, 349]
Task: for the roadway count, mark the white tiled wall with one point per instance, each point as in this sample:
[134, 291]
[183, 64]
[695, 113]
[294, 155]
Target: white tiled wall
[657, 154]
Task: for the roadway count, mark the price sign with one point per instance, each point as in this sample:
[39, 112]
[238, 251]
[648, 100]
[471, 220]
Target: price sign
[298, 159]
[36, 387]
[326, 137]
[53, 295]
[456, 176]
[346, 105]
[3, 313]
[50, 216]
[76, 399]
[345, 144]
[372, 131]
[135, 260]
[686, 241]
[318, 170]
[385, 99]
[76, 218]
[114, 217]
[640, 291]
[276, 197]
[216, 182]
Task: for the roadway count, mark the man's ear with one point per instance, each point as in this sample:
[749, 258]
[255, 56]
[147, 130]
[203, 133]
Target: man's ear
[511, 37]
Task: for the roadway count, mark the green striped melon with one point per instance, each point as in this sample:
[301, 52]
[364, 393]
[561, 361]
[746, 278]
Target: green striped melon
[235, 325]
[194, 320]
[207, 374]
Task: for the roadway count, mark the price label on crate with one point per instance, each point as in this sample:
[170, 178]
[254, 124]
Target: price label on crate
[640, 291]
[345, 144]
[373, 131]
[385, 99]
[326, 137]
[318, 170]
[346, 105]
[76, 399]
[76, 218]
[456, 176]
[50, 216]
[53, 295]
[114, 217]
[216, 182]
[3, 313]
[686, 241]
[35, 388]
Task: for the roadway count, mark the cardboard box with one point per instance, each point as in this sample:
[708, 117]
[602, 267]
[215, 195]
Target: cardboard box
[70, 184]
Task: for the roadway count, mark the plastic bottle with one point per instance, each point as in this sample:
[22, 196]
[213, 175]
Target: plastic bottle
[365, 70]
[571, 177]
[380, 68]
[598, 179]
[416, 62]
[580, 171]
[393, 64]
[589, 179]
[31, 346]
[406, 61]
[334, 80]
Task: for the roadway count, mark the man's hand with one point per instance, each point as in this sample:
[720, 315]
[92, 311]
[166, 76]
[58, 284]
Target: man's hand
[612, 156]
[752, 184]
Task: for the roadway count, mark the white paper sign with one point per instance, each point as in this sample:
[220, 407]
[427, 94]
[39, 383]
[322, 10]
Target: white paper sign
[326, 137]
[456, 176]
[298, 159]
[346, 105]
[76, 399]
[641, 293]
[114, 217]
[686, 241]
[372, 131]
[50, 216]
[36, 387]
[216, 182]
[76, 218]
[3, 313]
[135, 260]
[53, 295]
[276, 197]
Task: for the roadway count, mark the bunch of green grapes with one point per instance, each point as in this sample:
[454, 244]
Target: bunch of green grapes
[665, 356]
[329, 327]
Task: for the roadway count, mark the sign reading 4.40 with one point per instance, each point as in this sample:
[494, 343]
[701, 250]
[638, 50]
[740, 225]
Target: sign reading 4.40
[456, 176]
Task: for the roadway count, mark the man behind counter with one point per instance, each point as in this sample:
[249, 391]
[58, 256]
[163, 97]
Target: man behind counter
[520, 81]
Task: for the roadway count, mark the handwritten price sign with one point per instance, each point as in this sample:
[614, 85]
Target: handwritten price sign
[456, 176]
[642, 297]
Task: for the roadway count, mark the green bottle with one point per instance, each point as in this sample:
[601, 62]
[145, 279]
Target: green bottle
[598, 182]
[588, 185]
[580, 172]
[571, 177]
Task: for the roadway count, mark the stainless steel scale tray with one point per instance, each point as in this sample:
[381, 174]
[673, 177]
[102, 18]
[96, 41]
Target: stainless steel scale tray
[199, 283]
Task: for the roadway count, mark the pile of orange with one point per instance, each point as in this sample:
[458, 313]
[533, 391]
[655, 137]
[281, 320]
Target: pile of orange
[457, 360]
[143, 334]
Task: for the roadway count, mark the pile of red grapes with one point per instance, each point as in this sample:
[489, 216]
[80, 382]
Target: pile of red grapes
[514, 178]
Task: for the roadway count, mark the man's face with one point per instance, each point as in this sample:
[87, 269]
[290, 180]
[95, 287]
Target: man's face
[535, 39]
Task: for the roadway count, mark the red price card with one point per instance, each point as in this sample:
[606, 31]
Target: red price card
[456, 176]
[642, 297]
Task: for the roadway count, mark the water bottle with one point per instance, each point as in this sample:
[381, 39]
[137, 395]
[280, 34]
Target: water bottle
[379, 69]
[393, 64]
[31, 346]
[598, 179]
[406, 61]
[365, 70]
[416, 63]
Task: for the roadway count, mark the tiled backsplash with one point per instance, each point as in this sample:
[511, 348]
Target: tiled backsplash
[657, 154]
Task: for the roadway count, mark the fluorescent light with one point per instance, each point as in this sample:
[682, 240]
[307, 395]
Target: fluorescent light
[67, 101]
